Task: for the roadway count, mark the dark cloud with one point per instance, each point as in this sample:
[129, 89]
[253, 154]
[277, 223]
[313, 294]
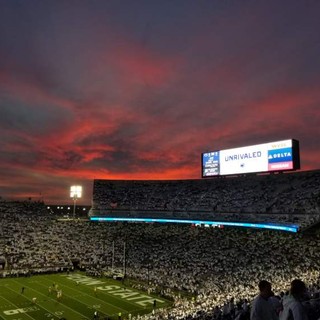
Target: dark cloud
[29, 117]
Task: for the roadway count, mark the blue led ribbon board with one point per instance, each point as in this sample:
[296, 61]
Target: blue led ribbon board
[288, 228]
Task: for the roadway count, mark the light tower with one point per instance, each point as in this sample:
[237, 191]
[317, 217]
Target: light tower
[75, 193]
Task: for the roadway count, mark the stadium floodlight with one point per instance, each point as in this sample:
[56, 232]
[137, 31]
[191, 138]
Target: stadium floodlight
[75, 193]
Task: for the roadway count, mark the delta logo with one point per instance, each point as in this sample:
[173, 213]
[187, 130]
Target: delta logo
[280, 155]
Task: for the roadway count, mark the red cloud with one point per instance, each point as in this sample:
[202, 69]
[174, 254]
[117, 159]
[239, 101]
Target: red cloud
[137, 63]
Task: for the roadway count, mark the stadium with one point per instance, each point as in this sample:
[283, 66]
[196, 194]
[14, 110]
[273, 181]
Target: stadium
[168, 249]
[159, 160]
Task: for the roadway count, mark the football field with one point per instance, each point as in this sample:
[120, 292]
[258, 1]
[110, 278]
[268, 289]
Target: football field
[73, 296]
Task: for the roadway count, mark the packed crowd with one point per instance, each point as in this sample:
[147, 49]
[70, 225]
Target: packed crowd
[209, 273]
[287, 197]
[274, 193]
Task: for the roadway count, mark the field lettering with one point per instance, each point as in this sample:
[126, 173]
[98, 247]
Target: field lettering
[20, 310]
[126, 294]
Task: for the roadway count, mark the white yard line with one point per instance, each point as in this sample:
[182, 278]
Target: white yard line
[53, 300]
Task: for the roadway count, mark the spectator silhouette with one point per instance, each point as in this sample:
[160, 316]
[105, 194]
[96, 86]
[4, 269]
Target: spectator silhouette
[293, 308]
[261, 307]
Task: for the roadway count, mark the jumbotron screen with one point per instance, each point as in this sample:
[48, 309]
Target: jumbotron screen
[267, 157]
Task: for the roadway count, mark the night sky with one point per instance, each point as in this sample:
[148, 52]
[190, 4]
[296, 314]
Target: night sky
[138, 89]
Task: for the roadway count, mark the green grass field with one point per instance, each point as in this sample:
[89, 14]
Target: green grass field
[81, 297]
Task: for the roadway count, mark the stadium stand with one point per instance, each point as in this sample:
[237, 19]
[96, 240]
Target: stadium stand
[210, 273]
[286, 198]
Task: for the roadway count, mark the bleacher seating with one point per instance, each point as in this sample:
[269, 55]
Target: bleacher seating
[287, 198]
[218, 267]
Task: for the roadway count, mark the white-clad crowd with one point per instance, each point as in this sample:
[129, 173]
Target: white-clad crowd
[208, 272]
[286, 197]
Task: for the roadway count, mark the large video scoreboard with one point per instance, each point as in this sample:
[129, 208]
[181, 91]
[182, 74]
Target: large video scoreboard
[267, 157]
